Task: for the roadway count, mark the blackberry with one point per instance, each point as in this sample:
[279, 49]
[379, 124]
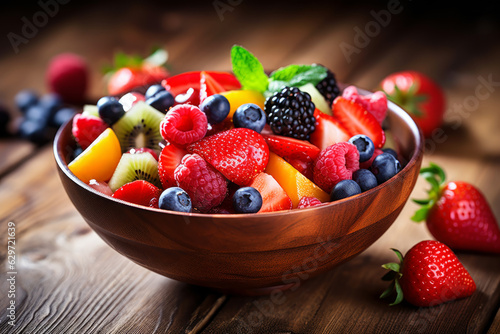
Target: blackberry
[290, 112]
[328, 87]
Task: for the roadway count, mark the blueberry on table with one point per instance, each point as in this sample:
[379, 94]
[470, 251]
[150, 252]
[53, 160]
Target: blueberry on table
[110, 109]
[365, 179]
[247, 200]
[175, 199]
[62, 116]
[161, 101]
[249, 116]
[364, 145]
[34, 131]
[344, 189]
[216, 107]
[26, 99]
[39, 114]
[385, 166]
[153, 90]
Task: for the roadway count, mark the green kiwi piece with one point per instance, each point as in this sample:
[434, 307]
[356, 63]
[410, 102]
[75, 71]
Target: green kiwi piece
[139, 127]
[137, 166]
[90, 110]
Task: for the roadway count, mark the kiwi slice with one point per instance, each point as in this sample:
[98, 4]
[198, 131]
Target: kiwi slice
[137, 166]
[90, 110]
[139, 127]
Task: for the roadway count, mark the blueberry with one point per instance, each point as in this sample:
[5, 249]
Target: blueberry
[110, 110]
[52, 102]
[391, 152]
[62, 116]
[161, 101]
[364, 145]
[39, 114]
[153, 90]
[175, 199]
[344, 189]
[249, 116]
[34, 131]
[216, 107]
[365, 179]
[25, 99]
[384, 167]
[247, 200]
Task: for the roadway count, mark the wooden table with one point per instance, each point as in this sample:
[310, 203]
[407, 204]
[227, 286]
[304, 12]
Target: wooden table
[69, 281]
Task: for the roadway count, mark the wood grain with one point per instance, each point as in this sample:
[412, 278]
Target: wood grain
[71, 282]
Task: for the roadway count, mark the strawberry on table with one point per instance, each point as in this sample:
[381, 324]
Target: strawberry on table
[457, 214]
[239, 154]
[429, 274]
[356, 120]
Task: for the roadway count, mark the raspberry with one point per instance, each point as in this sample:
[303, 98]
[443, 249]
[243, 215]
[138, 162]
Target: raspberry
[367, 164]
[184, 124]
[334, 164]
[375, 104]
[87, 128]
[307, 202]
[290, 113]
[205, 186]
[68, 76]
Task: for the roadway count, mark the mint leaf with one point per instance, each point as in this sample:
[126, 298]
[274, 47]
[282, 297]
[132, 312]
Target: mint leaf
[248, 69]
[296, 76]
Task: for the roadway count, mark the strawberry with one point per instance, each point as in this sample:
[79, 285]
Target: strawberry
[87, 128]
[457, 214]
[274, 198]
[179, 84]
[209, 86]
[239, 154]
[299, 153]
[68, 76]
[131, 72]
[139, 192]
[308, 202]
[421, 97]
[328, 131]
[144, 150]
[428, 275]
[170, 157]
[356, 120]
[375, 103]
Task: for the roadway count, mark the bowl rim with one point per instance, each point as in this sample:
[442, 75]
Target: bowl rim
[416, 132]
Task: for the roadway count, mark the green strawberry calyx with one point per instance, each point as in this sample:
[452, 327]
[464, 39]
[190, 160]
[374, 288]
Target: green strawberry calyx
[436, 176]
[394, 275]
[158, 58]
[409, 99]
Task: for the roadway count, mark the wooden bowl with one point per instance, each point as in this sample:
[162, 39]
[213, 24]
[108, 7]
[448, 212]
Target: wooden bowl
[247, 253]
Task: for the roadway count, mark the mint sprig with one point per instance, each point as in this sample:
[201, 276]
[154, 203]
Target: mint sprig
[248, 69]
[296, 76]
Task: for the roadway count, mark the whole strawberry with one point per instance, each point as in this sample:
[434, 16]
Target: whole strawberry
[428, 275]
[457, 214]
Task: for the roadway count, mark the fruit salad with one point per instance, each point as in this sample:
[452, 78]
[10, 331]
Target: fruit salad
[240, 142]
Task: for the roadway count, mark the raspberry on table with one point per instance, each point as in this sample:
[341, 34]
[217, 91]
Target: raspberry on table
[184, 124]
[290, 112]
[206, 187]
[334, 164]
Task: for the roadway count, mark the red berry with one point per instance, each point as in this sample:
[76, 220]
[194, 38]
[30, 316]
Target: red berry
[139, 192]
[209, 86]
[239, 154]
[334, 164]
[430, 274]
[206, 187]
[367, 164]
[67, 76]
[87, 128]
[375, 103]
[184, 124]
[328, 131]
[274, 198]
[101, 187]
[307, 202]
[144, 150]
[170, 157]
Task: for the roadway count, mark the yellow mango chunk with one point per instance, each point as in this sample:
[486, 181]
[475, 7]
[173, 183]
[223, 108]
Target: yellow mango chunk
[238, 97]
[99, 160]
[292, 181]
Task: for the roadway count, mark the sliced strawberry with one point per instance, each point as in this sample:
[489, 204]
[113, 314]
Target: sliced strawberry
[139, 192]
[356, 120]
[144, 150]
[239, 154]
[179, 84]
[209, 86]
[328, 131]
[170, 158]
[87, 128]
[274, 198]
[126, 79]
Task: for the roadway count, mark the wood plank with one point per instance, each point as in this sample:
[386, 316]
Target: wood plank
[14, 152]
